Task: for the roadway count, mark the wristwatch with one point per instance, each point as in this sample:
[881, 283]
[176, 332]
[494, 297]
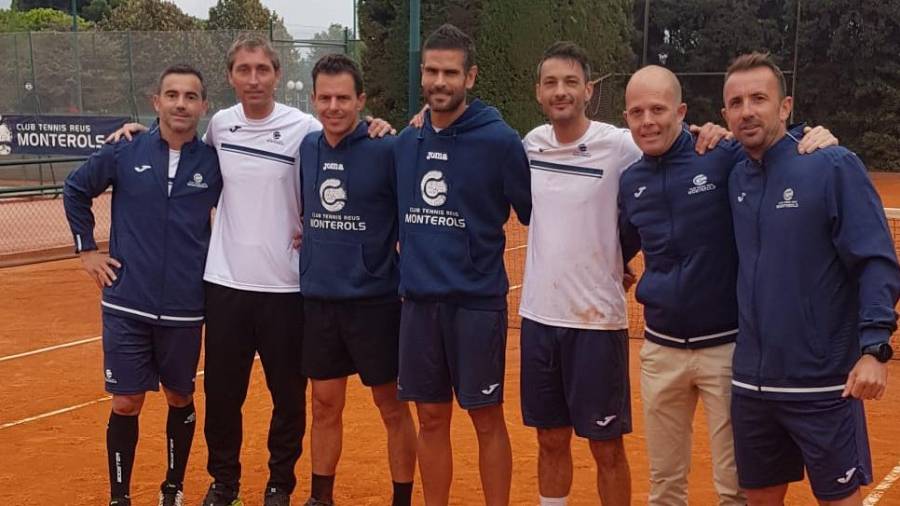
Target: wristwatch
[882, 352]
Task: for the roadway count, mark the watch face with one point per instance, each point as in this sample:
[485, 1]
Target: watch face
[882, 352]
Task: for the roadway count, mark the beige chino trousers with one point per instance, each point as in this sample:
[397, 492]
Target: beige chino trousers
[672, 379]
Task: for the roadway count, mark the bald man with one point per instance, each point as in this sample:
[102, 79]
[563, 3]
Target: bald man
[674, 206]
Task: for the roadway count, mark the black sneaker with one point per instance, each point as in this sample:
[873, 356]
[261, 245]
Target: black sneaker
[170, 494]
[220, 495]
[276, 497]
[120, 501]
[317, 502]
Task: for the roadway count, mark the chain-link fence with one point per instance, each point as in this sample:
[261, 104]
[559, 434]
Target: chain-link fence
[115, 73]
[109, 74]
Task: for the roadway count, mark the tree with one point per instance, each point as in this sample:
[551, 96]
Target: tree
[148, 15]
[37, 20]
[849, 70]
[240, 15]
[849, 75]
[60, 5]
[704, 36]
[510, 36]
[382, 27]
[98, 10]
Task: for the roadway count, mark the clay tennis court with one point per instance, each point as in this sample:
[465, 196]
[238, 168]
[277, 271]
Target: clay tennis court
[53, 413]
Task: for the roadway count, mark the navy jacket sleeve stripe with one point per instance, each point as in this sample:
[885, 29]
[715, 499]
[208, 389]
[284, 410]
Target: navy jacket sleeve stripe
[82, 185]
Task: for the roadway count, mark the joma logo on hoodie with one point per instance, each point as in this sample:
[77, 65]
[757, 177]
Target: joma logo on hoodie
[433, 155]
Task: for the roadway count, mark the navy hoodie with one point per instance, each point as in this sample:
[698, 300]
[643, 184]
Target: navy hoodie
[350, 217]
[818, 275]
[675, 207]
[160, 239]
[454, 191]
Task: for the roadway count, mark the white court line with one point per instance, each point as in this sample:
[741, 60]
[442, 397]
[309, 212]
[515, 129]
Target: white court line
[57, 412]
[73, 408]
[50, 348]
[64, 410]
[93, 339]
[885, 485]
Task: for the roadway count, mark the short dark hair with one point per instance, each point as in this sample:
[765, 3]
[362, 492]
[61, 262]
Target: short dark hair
[181, 68]
[448, 36]
[755, 60]
[252, 42]
[336, 63]
[566, 50]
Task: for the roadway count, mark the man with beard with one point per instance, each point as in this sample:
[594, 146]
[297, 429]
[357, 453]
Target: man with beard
[456, 179]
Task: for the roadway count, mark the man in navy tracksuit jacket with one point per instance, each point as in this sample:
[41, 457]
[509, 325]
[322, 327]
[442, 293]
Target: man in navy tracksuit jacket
[349, 275]
[164, 185]
[456, 179]
[674, 206]
[817, 285]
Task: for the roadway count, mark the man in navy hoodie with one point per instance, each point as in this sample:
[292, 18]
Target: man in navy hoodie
[456, 179]
[818, 280]
[165, 185]
[349, 275]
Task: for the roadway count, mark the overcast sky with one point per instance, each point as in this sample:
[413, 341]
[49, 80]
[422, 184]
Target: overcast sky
[302, 17]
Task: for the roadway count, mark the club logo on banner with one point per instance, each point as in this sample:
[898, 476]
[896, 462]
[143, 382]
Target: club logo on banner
[55, 135]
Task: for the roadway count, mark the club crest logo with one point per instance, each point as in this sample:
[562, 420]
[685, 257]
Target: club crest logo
[789, 199]
[333, 195]
[434, 188]
[197, 181]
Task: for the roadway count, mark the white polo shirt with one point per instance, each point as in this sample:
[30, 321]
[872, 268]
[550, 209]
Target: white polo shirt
[573, 267]
[259, 210]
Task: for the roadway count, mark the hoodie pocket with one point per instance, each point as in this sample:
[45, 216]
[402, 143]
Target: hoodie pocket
[442, 258]
[334, 261]
[814, 334]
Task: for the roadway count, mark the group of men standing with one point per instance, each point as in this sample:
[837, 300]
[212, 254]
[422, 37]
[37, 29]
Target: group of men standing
[321, 205]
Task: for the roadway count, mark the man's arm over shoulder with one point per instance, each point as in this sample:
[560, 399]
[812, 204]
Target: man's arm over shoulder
[863, 240]
[81, 186]
[517, 179]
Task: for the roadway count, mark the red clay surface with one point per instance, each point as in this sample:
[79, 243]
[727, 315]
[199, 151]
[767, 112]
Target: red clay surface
[60, 459]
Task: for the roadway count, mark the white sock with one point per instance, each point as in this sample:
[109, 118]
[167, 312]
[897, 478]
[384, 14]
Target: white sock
[553, 501]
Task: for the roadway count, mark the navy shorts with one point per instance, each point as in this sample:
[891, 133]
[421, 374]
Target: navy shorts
[575, 378]
[775, 440]
[138, 356]
[341, 338]
[445, 348]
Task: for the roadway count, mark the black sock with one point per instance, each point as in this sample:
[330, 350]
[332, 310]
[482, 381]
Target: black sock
[322, 487]
[179, 436]
[402, 494]
[121, 440]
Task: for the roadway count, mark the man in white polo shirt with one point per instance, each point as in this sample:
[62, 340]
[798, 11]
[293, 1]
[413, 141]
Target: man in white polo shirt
[252, 275]
[573, 301]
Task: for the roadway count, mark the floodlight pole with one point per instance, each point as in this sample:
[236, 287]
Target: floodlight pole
[74, 16]
[415, 13]
[796, 50]
[646, 30]
[354, 20]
